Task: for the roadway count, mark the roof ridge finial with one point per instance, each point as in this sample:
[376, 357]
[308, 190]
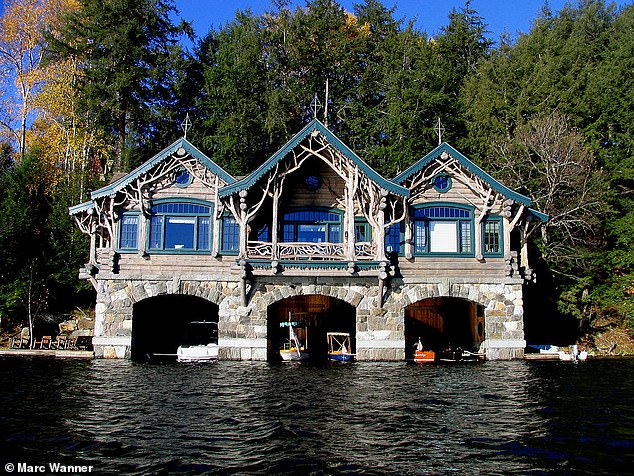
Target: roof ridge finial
[315, 104]
[440, 130]
[186, 125]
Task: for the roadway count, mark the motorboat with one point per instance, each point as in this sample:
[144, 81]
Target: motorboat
[422, 356]
[339, 348]
[201, 343]
[458, 354]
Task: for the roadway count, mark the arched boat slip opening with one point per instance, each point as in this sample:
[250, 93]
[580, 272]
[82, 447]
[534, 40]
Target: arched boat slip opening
[444, 322]
[161, 324]
[315, 315]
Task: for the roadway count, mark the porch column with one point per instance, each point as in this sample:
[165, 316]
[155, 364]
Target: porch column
[242, 248]
[349, 222]
[380, 229]
[274, 224]
[409, 251]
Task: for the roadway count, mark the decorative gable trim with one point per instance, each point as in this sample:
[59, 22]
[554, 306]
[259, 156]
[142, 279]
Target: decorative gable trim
[314, 126]
[175, 148]
[467, 164]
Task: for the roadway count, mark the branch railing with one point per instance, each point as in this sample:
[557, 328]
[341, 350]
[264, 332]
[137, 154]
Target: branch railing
[300, 250]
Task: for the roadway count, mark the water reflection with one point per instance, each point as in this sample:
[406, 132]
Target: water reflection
[371, 418]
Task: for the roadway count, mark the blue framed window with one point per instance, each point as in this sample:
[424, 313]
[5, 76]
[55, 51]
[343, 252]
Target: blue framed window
[230, 235]
[178, 226]
[492, 243]
[362, 230]
[393, 238]
[311, 226]
[129, 232]
[443, 229]
[442, 183]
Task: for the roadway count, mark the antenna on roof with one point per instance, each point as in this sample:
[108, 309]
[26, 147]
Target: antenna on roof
[186, 125]
[316, 105]
[439, 130]
[326, 106]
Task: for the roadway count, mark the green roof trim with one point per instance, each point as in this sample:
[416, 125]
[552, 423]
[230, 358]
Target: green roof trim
[466, 163]
[539, 215]
[82, 207]
[164, 154]
[314, 125]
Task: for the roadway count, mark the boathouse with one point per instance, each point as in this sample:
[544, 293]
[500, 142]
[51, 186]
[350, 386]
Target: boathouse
[437, 253]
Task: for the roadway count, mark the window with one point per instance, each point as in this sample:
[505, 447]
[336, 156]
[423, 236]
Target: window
[311, 226]
[313, 183]
[446, 229]
[230, 234]
[492, 237]
[180, 226]
[129, 232]
[182, 178]
[442, 183]
[393, 238]
[362, 231]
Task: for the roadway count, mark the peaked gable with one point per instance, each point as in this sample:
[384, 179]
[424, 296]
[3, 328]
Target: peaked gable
[166, 153]
[468, 165]
[313, 126]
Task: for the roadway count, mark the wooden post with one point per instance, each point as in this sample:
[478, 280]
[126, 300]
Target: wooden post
[380, 229]
[409, 232]
[242, 253]
[215, 225]
[93, 243]
[349, 221]
[274, 220]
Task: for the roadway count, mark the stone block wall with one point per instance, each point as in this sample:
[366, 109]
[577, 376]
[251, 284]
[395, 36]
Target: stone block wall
[380, 330]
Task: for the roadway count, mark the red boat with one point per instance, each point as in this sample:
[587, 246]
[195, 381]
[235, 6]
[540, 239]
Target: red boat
[423, 356]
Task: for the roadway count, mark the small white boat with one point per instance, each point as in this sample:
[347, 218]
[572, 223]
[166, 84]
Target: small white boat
[339, 348]
[201, 343]
[197, 353]
[294, 350]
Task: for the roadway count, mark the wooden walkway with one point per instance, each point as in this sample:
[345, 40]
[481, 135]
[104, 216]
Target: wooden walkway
[54, 353]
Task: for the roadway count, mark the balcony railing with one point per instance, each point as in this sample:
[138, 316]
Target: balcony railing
[302, 251]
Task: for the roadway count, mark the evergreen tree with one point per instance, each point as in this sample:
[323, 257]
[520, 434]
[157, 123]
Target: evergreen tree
[129, 50]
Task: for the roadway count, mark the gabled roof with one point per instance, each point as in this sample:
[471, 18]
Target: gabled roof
[82, 207]
[163, 155]
[314, 125]
[467, 164]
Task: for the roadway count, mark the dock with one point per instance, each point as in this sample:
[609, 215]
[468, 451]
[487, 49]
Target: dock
[50, 353]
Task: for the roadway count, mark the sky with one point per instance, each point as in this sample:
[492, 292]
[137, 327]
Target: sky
[501, 16]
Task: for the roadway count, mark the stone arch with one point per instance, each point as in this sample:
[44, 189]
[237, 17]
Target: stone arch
[417, 292]
[212, 291]
[353, 295]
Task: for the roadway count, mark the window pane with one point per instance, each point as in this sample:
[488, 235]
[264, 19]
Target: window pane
[420, 237]
[361, 232]
[393, 239]
[230, 234]
[492, 237]
[179, 233]
[443, 237]
[203, 233]
[156, 230]
[289, 233]
[311, 233]
[129, 229]
[334, 234]
[465, 237]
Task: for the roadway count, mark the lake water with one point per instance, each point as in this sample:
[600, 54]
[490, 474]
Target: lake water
[364, 418]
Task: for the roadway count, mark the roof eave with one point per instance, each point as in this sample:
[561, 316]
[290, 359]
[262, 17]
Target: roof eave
[469, 165]
[168, 151]
[314, 125]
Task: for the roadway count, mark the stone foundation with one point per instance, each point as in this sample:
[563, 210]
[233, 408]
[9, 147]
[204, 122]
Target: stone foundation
[380, 330]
